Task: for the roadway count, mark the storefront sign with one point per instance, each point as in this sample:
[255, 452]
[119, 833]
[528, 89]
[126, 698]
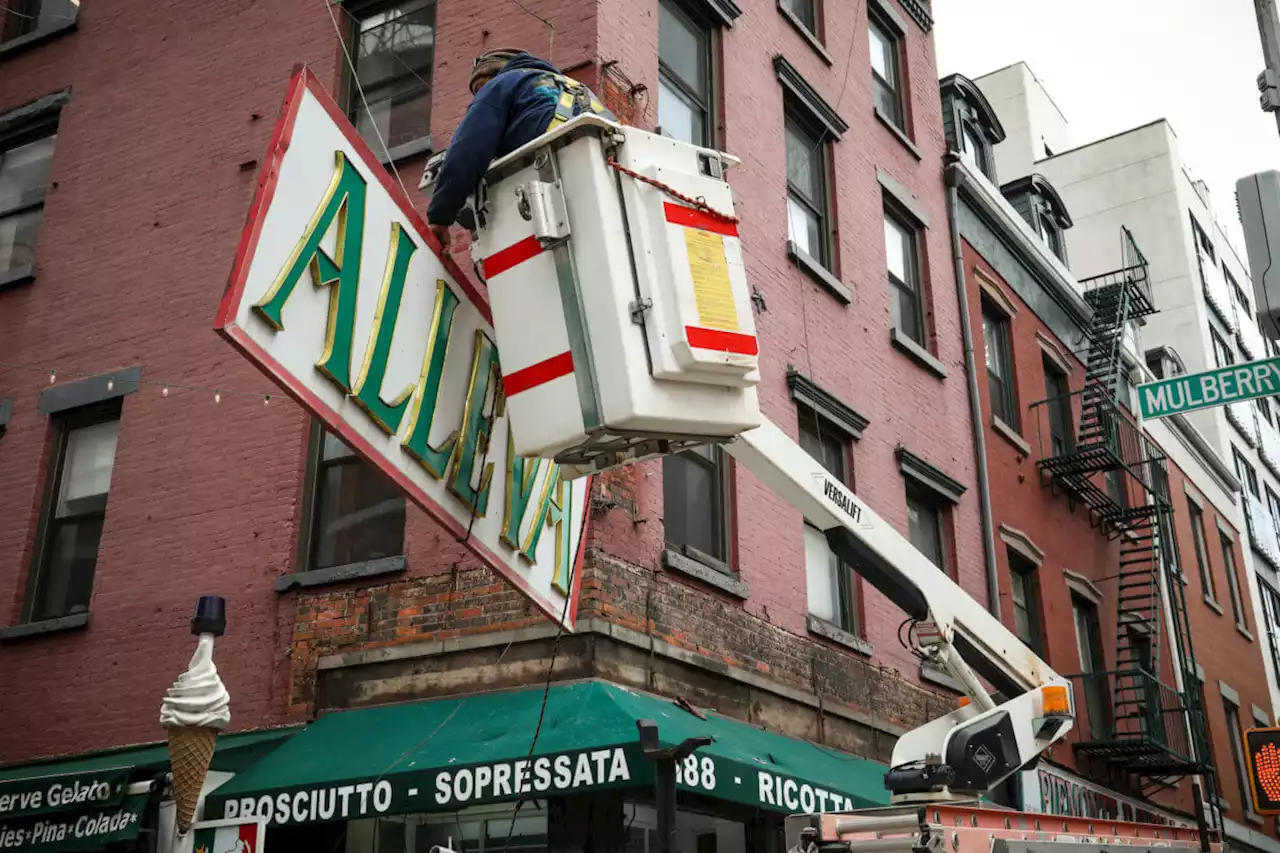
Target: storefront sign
[548, 775]
[89, 830]
[338, 296]
[1062, 793]
[224, 836]
[45, 794]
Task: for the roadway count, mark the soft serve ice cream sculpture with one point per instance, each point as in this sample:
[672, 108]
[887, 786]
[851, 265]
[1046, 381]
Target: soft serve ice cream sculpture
[196, 708]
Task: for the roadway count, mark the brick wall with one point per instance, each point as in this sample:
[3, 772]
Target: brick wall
[464, 603]
[152, 178]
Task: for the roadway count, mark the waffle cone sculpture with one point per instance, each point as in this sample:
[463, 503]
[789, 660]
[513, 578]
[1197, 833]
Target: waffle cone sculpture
[196, 708]
[190, 751]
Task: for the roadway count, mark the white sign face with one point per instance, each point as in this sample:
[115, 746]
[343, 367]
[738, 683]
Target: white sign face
[339, 294]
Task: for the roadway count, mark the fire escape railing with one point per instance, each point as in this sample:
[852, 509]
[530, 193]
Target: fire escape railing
[1134, 730]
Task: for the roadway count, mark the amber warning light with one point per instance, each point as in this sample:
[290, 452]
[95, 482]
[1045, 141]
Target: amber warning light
[1262, 747]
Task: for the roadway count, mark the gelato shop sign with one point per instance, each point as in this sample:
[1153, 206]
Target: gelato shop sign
[26, 797]
[88, 830]
[339, 295]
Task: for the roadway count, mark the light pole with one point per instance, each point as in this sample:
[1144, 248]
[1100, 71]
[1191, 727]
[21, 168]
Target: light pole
[1269, 79]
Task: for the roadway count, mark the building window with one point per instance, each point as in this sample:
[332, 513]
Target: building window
[1092, 668]
[357, 513]
[995, 336]
[886, 72]
[926, 525]
[1235, 734]
[1026, 601]
[23, 17]
[1051, 234]
[1222, 355]
[1273, 508]
[973, 149]
[1202, 549]
[1233, 580]
[394, 55]
[902, 251]
[1238, 292]
[684, 76]
[1203, 245]
[805, 11]
[25, 162]
[1058, 393]
[1271, 612]
[1264, 409]
[84, 456]
[807, 183]
[695, 489]
[1248, 476]
[831, 583]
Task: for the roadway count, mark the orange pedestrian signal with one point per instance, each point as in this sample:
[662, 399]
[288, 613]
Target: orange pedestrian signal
[1262, 752]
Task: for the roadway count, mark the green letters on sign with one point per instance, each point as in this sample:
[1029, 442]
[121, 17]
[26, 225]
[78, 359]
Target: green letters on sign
[476, 424]
[368, 389]
[433, 459]
[343, 203]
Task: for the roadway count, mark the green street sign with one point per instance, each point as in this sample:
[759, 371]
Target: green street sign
[1212, 388]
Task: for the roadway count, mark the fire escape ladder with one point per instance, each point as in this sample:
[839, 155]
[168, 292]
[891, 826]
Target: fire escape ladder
[1137, 732]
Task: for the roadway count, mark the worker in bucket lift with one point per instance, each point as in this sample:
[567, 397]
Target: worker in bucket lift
[518, 97]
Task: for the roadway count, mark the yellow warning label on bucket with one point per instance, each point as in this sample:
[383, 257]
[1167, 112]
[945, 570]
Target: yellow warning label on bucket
[711, 288]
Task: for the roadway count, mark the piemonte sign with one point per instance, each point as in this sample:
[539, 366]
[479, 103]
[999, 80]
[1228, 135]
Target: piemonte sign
[340, 294]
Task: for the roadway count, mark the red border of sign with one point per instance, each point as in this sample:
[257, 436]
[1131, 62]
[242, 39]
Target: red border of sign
[305, 80]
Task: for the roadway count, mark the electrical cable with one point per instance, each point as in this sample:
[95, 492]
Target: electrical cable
[355, 78]
[542, 712]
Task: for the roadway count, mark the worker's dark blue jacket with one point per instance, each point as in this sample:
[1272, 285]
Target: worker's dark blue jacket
[518, 105]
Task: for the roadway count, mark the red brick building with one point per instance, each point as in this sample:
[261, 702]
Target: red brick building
[143, 462]
[1116, 542]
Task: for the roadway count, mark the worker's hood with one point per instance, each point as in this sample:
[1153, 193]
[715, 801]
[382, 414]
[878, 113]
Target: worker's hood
[528, 60]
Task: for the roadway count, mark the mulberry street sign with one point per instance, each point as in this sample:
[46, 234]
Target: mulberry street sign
[1230, 384]
[340, 294]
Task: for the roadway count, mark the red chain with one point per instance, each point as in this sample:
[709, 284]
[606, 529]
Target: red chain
[692, 202]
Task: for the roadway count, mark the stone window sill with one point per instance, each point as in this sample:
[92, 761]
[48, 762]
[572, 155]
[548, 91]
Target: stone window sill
[340, 574]
[405, 150]
[1010, 435]
[45, 626]
[1213, 605]
[22, 42]
[1244, 632]
[806, 34]
[18, 275]
[1255, 819]
[918, 354]
[677, 562]
[818, 272]
[898, 133]
[826, 630]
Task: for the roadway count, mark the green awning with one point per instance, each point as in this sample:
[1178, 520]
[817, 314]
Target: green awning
[82, 803]
[448, 754]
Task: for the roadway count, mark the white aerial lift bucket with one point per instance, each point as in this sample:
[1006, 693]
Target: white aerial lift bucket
[621, 305]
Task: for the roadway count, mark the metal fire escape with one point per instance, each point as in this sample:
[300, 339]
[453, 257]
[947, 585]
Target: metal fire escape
[1137, 733]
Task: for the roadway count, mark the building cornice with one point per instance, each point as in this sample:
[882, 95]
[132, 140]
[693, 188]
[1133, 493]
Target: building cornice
[987, 202]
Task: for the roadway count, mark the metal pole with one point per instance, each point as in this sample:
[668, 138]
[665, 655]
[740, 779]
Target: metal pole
[1202, 822]
[664, 793]
[1269, 80]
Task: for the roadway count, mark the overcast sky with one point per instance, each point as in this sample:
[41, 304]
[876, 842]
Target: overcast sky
[1115, 64]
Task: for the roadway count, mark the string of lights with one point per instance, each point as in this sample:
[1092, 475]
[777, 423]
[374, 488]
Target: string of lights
[165, 387]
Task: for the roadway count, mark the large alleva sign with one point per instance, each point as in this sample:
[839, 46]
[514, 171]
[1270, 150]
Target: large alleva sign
[340, 294]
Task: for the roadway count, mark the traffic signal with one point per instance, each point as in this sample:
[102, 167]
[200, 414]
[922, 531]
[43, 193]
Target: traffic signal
[1262, 753]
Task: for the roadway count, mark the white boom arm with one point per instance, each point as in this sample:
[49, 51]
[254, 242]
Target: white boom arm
[972, 749]
[662, 346]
